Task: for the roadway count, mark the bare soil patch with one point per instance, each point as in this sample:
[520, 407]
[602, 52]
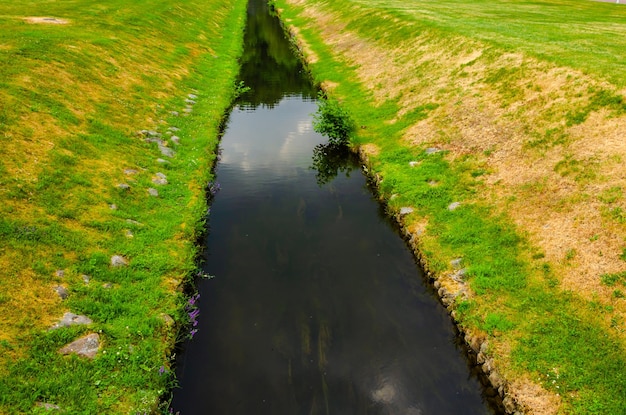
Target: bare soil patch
[46, 20]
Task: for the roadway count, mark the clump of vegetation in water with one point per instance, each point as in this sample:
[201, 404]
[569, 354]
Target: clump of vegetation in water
[333, 121]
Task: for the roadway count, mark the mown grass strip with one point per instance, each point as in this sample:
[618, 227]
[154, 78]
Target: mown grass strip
[538, 332]
[78, 83]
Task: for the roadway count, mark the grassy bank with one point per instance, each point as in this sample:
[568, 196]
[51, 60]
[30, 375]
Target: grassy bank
[80, 183]
[501, 125]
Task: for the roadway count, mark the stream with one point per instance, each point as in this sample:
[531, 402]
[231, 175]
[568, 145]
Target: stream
[317, 305]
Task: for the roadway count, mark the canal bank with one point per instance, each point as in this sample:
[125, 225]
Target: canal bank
[428, 134]
[317, 304]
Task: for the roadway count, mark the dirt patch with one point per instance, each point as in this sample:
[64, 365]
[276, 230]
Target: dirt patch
[46, 20]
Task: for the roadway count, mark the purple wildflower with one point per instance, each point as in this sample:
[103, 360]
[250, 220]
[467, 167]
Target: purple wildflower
[192, 332]
[161, 370]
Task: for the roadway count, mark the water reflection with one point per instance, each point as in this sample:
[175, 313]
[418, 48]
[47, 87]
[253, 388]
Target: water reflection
[268, 63]
[329, 160]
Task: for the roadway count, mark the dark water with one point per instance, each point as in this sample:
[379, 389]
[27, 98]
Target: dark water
[317, 306]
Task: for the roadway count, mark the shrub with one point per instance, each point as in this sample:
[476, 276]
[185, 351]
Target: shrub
[333, 121]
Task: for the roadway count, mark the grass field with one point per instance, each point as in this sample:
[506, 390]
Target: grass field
[80, 184]
[502, 124]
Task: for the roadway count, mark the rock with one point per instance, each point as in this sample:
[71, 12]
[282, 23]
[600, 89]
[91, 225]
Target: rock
[86, 346]
[166, 151]
[175, 139]
[192, 96]
[162, 161]
[509, 405]
[152, 133]
[454, 206]
[495, 379]
[128, 234]
[173, 129]
[160, 179]
[48, 406]
[133, 222]
[130, 171]
[393, 196]
[118, 261]
[86, 278]
[61, 292]
[480, 358]
[406, 210]
[187, 110]
[169, 321]
[123, 186]
[414, 163]
[153, 192]
[190, 101]
[433, 183]
[71, 319]
[113, 206]
[59, 273]
[456, 262]
[432, 150]
[174, 113]
[107, 286]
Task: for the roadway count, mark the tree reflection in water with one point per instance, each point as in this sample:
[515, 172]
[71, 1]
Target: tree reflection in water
[331, 159]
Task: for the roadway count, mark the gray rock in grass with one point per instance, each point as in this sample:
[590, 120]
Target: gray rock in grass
[71, 319]
[432, 150]
[166, 151]
[175, 139]
[118, 261]
[61, 292]
[123, 186]
[153, 192]
[174, 113]
[406, 210]
[192, 96]
[454, 206]
[86, 346]
[48, 406]
[414, 163]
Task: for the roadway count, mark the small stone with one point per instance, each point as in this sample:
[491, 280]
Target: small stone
[123, 186]
[86, 278]
[60, 273]
[187, 110]
[432, 150]
[174, 113]
[192, 96]
[393, 196]
[173, 129]
[153, 192]
[162, 161]
[454, 205]
[414, 163]
[153, 133]
[166, 151]
[190, 101]
[87, 346]
[48, 406]
[118, 261]
[159, 181]
[433, 183]
[406, 210]
[61, 292]
[456, 263]
[133, 222]
[71, 319]
[175, 139]
[113, 206]
[169, 321]
[130, 171]
[128, 234]
[509, 405]
[495, 379]
[107, 286]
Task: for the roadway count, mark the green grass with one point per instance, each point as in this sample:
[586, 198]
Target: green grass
[72, 99]
[518, 301]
